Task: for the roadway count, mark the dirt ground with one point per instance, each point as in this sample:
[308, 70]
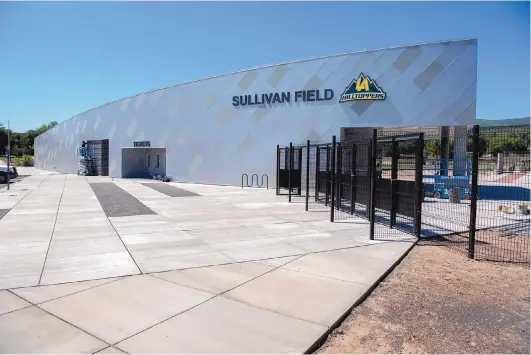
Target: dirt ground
[492, 245]
[438, 301]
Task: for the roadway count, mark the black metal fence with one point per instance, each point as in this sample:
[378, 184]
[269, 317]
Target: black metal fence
[289, 171]
[354, 178]
[503, 194]
[398, 182]
[469, 190]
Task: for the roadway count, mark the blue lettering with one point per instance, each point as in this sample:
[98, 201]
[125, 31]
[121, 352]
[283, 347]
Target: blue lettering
[286, 97]
[328, 94]
[276, 98]
[268, 98]
[298, 95]
[235, 101]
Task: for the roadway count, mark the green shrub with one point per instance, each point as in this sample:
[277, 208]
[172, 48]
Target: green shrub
[26, 160]
[16, 152]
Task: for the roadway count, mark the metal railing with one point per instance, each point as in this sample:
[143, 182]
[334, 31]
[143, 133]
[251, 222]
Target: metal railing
[258, 185]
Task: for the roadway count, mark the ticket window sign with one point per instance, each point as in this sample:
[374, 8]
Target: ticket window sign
[142, 144]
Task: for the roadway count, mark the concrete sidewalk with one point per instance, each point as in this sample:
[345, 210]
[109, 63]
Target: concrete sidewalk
[224, 270]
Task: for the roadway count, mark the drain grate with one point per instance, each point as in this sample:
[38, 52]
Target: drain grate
[169, 190]
[116, 202]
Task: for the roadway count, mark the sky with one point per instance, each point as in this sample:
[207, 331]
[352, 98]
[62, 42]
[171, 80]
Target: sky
[58, 59]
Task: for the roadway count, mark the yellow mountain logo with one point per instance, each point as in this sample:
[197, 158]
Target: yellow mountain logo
[362, 88]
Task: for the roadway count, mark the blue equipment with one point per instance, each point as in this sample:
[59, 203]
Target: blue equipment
[444, 181]
[84, 153]
[84, 157]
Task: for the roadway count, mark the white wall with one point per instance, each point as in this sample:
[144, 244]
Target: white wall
[209, 140]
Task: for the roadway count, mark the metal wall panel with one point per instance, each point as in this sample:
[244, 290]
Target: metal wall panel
[209, 140]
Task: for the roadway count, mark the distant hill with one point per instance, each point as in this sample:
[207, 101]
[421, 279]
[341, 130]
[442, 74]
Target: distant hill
[507, 122]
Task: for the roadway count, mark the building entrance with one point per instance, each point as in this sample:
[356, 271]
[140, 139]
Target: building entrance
[142, 162]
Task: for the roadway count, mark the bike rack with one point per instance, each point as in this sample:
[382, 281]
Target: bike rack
[257, 180]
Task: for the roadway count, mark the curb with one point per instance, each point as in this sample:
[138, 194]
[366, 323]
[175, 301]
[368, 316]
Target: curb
[322, 339]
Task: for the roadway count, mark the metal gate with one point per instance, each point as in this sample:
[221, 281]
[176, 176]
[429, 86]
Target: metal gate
[323, 174]
[289, 170]
[354, 177]
[397, 185]
[378, 179]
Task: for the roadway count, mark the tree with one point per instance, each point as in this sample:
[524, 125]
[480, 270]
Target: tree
[22, 143]
[432, 147]
[3, 139]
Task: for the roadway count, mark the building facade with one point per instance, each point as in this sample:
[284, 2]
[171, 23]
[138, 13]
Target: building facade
[213, 130]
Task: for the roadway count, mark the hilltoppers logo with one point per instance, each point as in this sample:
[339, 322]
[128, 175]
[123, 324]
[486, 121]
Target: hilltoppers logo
[362, 88]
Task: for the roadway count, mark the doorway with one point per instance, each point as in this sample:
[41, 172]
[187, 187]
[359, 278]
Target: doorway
[143, 162]
[99, 153]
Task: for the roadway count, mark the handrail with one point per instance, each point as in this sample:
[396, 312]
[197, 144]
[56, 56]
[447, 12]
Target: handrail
[258, 185]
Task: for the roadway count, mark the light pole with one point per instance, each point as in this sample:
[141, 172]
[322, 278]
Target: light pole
[8, 154]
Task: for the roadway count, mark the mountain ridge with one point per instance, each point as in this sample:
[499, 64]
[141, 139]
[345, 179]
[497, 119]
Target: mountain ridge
[505, 122]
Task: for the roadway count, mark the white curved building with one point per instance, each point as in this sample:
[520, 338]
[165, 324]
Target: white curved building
[215, 129]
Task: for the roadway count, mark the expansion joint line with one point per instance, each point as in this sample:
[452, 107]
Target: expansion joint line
[53, 230]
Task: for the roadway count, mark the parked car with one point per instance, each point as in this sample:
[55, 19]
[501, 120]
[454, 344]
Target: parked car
[13, 174]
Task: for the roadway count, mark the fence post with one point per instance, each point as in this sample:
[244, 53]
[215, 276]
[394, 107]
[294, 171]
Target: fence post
[372, 203]
[307, 172]
[339, 175]
[278, 168]
[369, 162]
[332, 178]
[394, 177]
[290, 166]
[474, 192]
[327, 187]
[419, 191]
[353, 180]
[299, 160]
[317, 170]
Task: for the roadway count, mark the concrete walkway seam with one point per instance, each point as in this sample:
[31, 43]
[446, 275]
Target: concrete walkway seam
[319, 342]
[53, 230]
[64, 320]
[64, 283]
[26, 195]
[197, 305]
[246, 282]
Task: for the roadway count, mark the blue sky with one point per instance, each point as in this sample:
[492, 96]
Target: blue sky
[60, 59]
